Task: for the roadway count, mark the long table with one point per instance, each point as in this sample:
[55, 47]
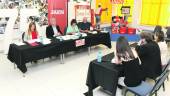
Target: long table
[104, 74]
[20, 55]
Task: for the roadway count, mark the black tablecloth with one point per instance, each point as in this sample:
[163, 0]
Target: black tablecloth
[103, 74]
[20, 55]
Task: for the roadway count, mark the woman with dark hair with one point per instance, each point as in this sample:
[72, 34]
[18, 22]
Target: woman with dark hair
[149, 53]
[73, 28]
[128, 58]
[159, 38]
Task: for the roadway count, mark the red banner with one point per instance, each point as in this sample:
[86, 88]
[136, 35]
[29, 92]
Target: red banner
[58, 9]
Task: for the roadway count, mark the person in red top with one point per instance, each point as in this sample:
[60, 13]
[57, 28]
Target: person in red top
[32, 32]
[98, 14]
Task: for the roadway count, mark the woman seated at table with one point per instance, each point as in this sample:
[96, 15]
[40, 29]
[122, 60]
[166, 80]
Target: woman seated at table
[128, 59]
[159, 38]
[73, 28]
[149, 54]
[31, 33]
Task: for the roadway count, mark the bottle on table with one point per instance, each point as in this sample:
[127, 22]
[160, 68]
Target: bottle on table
[99, 56]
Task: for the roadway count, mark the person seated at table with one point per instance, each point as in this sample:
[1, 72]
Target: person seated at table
[84, 26]
[53, 29]
[159, 38]
[149, 53]
[32, 32]
[73, 28]
[128, 59]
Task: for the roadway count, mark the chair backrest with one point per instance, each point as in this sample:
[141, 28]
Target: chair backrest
[160, 81]
[23, 35]
[65, 31]
[168, 32]
[157, 29]
[167, 66]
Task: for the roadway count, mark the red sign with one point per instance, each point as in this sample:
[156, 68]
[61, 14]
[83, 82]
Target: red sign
[82, 11]
[117, 1]
[80, 42]
[58, 10]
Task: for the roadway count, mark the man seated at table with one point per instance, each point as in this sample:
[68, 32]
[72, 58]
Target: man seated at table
[84, 26]
[53, 29]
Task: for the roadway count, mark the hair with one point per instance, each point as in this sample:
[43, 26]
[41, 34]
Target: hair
[123, 49]
[147, 36]
[160, 36]
[73, 21]
[29, 28]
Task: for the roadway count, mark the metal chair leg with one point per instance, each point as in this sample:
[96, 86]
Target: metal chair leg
[61, 58]
[14, 66]
[125, 92]
[163, 86]
[89, 50]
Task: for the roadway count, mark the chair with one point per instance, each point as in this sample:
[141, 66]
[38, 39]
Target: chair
[146, 89]
[65, 31]
[23, 35]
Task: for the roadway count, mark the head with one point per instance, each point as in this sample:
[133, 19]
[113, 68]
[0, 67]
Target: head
[100, 5]
[147, 36]
[73, 22]
[159, 36]
[85, 19]
[32, 27]
[53, 21]
[123, 49]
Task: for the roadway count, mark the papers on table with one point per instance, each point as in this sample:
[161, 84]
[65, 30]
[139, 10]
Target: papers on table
[93, 32]
[104, 31]
[68, 37]
[43, 41]
[19, 43]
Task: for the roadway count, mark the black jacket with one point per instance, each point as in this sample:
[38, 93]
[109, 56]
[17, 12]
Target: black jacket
[50, 32]
[151, 59]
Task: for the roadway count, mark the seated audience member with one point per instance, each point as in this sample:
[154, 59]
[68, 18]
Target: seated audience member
[53, 29]
[72, 29]
[149, 54]
[31, 33]
[84, 26]
[159, 38]
[130, 62]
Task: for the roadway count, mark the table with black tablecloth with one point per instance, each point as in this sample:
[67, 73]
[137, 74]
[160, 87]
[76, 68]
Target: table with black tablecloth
[20, 55]
[104, 74]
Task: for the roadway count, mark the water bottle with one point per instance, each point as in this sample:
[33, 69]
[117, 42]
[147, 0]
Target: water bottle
[99, 57]
[41, 39]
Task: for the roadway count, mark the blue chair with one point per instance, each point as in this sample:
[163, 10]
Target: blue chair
[146, 89]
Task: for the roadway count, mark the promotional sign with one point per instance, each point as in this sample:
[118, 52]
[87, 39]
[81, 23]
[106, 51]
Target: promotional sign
[82, 11]
[80, 42]
[58, 9]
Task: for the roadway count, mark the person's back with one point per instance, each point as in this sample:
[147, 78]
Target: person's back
[132, 73]
[128, 58]
[149, 54]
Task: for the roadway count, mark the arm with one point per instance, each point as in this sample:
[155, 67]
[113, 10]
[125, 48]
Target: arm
[58, 28]
[142, 50]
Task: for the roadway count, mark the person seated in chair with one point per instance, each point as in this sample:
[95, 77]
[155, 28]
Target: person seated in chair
[127, 58]
[150, 55]
[84, 26]
[73, 28]
[53, 29]
[32, 32]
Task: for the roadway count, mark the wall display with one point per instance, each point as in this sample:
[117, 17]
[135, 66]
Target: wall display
[125, 9]
[58, 9]
[82, 11]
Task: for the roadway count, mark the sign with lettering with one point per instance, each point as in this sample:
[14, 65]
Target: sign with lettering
[80, 42]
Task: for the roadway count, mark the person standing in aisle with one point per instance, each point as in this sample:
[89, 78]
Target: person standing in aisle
[98, 14]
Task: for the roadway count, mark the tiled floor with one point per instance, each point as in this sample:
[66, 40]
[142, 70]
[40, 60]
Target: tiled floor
[50, 78]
